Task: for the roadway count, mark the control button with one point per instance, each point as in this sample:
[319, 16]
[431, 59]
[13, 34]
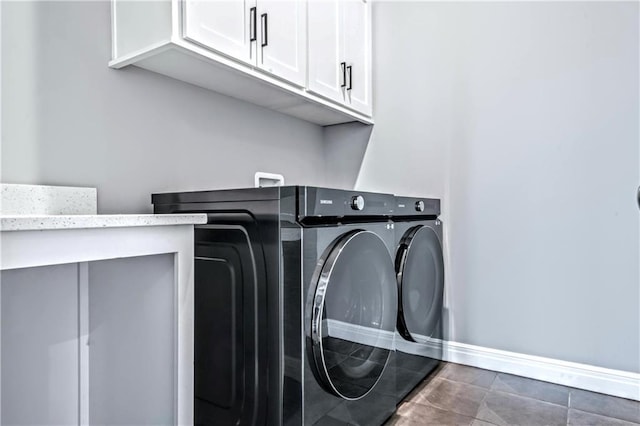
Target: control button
[420, 206]
[357, 202]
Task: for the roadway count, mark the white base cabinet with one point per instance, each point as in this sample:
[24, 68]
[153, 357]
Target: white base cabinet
[89, 343]
[96, 325]
[254, 50]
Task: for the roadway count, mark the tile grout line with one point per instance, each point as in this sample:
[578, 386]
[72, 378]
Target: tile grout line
[461, 383]
[430, 404]
[530, 398]
[486, 389]
[428, 390]
[527, 396]
[484, 398]
[490, 389]
[568, 406]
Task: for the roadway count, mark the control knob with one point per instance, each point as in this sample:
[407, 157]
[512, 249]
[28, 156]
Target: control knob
[357, 202]
[420, 206]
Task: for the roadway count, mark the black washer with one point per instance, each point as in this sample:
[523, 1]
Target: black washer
[354, 314]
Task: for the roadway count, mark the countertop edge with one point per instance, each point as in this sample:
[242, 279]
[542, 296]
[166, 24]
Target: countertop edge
[10, 223]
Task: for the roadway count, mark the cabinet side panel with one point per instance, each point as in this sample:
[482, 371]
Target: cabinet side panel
[138, 24]
[40, 345]
[132, 341]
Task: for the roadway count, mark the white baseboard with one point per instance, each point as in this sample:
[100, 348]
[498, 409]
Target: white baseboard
[597, 379]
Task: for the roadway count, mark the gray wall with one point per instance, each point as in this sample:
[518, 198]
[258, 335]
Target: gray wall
[524, 118]
[67, 119]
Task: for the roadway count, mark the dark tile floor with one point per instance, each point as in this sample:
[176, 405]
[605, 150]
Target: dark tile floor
[461, 395]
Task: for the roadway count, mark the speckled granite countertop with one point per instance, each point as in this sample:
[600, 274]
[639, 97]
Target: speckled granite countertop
[19, 199]
[44, 222]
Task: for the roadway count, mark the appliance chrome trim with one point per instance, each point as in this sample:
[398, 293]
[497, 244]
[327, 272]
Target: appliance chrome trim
[322, 277]
[401, 259]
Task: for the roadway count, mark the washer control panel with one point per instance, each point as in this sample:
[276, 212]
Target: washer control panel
[337, 203]
[357, 202]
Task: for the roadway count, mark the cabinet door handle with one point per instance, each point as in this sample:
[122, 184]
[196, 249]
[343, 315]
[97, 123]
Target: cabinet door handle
[252, 25]
[265, 30]
[343, 68]
[349, 68]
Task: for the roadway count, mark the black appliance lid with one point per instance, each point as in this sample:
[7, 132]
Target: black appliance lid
[311, 202]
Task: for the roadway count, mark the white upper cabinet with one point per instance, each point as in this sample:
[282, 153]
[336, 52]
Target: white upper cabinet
[269, 34]
[282, 36]
[222, 25]
[340, 52]
[306, 58]
[327, 71]
[357, 54]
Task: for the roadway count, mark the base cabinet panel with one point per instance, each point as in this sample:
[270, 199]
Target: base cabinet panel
[39, 358]
[131, 341]
[89, 343]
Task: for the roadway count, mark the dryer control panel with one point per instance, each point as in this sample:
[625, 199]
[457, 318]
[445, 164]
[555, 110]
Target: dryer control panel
[413, 206]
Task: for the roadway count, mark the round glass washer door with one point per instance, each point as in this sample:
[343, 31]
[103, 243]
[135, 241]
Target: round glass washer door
[354, 314]
[420, 274]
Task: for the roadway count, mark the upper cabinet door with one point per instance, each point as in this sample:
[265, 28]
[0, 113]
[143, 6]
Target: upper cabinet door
[221, 25]
[326, 69]
[282, 38]
[357, 45]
